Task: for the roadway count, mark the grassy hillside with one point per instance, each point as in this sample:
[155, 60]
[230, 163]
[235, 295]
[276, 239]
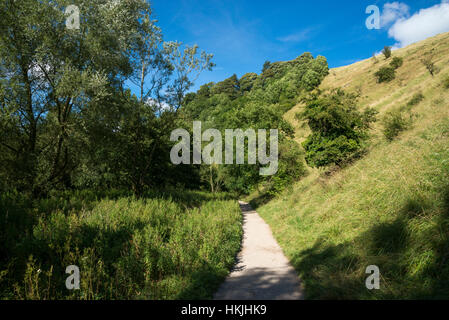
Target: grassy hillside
[389, 209]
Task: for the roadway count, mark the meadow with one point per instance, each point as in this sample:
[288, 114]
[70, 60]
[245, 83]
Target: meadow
[174, 245]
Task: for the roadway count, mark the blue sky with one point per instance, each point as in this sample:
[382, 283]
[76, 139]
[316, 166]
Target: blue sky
[243, 34]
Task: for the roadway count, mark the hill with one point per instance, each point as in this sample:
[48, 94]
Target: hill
[390, 208]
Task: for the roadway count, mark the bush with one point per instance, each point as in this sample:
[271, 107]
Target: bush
[446, 82]
[385, 74]
[322, 151]
[338, 128]
[394, 123]
[416, 99]
[429, 64]
[387, 52]
[291, 168]
[397, 62]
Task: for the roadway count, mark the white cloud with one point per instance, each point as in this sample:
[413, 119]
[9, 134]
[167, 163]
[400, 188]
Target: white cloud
[394, 11]
[160, 106]
[422, 25]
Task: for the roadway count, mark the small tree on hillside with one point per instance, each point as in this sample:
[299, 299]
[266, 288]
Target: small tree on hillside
[387, 52]
[375, 60]
[428, 62]
[385, 74]
[338, 128]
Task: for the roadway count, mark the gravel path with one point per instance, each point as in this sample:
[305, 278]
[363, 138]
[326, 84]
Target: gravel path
[262, 271]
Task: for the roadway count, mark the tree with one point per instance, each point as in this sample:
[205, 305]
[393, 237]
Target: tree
[428, 62]
[385, 74]
[338, 128]
[374, 58]
[266, 66]
[151, 67]
[65, 113]
[188, 64]
[387, 52]
[247, 82]
[230, 87]
[52, 73]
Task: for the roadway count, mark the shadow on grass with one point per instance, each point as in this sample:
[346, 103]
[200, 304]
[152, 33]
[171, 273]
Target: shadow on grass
[261, 200]
[203, 283]
[338, 271]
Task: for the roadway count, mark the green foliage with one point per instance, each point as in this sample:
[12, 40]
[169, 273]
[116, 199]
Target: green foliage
[338, 128]
[230, 87]
[247, 82]
[394, 123]
[385, 74]
[256, 102]
[429, 63]
[397, 62]
[158, 247]
[266, 66]
[66, 120]
[387, 52]
[416, 99]
[291, 168]
[446, 82]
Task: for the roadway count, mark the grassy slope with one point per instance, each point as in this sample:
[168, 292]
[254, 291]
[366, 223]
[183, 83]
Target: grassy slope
[390, 208]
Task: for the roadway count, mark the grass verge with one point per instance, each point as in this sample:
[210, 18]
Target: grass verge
[163, 246]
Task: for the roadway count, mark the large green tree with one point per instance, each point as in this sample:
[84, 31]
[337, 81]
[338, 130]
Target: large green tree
[64, 107]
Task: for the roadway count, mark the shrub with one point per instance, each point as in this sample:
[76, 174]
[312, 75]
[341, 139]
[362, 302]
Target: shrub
[446, 82]
[385, 74]
[291, 168]
[394, 123]
[416, 99]
[387, 52]
[429, 64]
[338, 128]
[397, 62]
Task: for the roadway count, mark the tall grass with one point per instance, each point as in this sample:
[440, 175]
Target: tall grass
[162, 246]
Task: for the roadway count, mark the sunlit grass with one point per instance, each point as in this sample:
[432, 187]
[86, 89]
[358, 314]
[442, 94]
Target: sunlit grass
[389, 209]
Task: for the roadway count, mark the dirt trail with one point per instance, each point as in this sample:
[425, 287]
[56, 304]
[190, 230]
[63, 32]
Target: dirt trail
[262, 271]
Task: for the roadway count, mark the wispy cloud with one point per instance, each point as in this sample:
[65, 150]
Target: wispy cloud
[296, 37]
